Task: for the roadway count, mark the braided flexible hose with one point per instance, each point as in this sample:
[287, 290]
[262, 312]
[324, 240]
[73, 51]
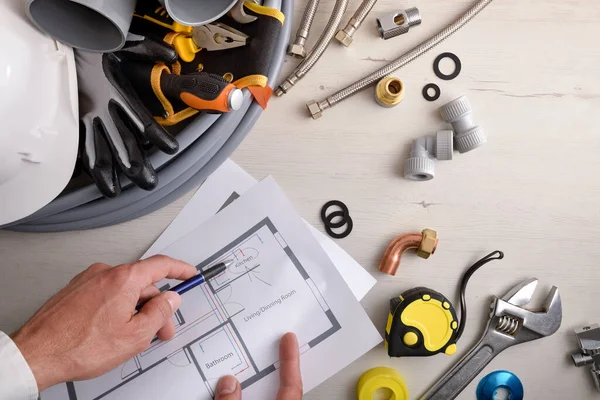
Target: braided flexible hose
[345, 35]
[306, 22]
[316, 108]
[316, 52]
[362, 11]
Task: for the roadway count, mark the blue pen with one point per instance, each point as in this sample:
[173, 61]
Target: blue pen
[197, 280]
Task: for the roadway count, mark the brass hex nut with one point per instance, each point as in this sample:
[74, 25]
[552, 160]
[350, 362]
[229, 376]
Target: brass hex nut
[428, 243]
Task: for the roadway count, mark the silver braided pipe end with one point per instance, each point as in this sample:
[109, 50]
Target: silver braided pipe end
[315, 54]
[345, 36]
[298, 49]
[317, 107]
[286, 85]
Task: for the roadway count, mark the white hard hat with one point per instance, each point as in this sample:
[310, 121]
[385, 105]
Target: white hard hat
[39, 113]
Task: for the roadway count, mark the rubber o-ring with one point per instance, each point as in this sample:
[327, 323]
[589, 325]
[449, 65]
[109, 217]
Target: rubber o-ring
[342, 235]
[435, 88]
[335, 214]
[333, 203]
[457, 66]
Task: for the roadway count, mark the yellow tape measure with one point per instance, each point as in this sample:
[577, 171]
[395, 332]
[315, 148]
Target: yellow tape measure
[378, 378]
[422, 322]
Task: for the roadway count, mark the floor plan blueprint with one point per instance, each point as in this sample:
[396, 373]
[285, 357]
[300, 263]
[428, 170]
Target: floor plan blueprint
[231, 324]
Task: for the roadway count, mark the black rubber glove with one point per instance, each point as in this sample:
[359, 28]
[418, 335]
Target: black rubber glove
[114, 121]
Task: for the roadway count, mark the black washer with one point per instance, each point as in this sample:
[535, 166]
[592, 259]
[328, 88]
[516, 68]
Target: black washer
[457, 66]
[333, 203]
[435, 88]
[336, 214]
[342, 235]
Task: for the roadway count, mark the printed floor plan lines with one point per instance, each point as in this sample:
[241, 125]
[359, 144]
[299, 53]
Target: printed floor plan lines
[217, 323]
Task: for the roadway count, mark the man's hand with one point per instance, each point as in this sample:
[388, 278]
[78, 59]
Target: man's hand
[290, 388]
[89, 327]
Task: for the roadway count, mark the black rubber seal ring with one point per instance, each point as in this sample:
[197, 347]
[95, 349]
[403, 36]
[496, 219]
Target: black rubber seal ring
[435, 88]
[457, 66]
[336, 214]
[349, 227]
[330, 204]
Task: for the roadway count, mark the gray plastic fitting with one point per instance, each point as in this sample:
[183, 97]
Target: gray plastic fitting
[467, 135]
[420, 166]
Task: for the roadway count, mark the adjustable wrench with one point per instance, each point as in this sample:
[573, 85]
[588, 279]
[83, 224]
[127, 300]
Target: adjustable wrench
[509, 324]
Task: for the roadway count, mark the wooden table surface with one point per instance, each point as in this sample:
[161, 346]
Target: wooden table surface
[530, 69]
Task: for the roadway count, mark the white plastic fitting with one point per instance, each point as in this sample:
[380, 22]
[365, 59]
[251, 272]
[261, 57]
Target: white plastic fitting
[420, 166]
[467, 135]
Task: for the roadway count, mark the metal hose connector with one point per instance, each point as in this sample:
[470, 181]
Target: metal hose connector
[316, 108]
[316, 52]
[297, 49]
[344, 36]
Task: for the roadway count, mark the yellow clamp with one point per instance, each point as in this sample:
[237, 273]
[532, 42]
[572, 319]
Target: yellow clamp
[183, 42]
[378, 378]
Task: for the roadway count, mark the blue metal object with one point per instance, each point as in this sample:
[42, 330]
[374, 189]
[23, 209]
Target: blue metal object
[489, 385]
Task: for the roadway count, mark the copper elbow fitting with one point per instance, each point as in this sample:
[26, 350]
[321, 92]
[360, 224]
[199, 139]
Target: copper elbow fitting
[425, 243]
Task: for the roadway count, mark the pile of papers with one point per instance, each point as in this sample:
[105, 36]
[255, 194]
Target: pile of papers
[286, 277]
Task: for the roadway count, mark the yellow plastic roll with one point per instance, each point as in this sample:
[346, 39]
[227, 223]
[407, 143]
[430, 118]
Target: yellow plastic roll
[381, 377]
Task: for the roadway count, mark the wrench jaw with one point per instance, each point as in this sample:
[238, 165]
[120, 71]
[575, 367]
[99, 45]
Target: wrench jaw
[553, 314]
[520, 325]
[521, 294]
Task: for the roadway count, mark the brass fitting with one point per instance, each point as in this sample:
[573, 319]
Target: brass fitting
[389, 92]
[425, 242]
[428, 244]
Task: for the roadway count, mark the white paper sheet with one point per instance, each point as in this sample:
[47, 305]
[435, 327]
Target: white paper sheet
[223, 186]
[281, 281]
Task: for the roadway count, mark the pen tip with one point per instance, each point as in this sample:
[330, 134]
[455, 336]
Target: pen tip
[228, 262]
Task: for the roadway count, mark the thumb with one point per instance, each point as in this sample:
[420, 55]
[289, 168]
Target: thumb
[158, 312]
[228, 388]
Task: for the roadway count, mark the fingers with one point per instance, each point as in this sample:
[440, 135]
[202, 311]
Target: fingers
[157, 314]
[155, 268]
[167, 332]
[228, 388]
[289, 370]
[148, 293]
